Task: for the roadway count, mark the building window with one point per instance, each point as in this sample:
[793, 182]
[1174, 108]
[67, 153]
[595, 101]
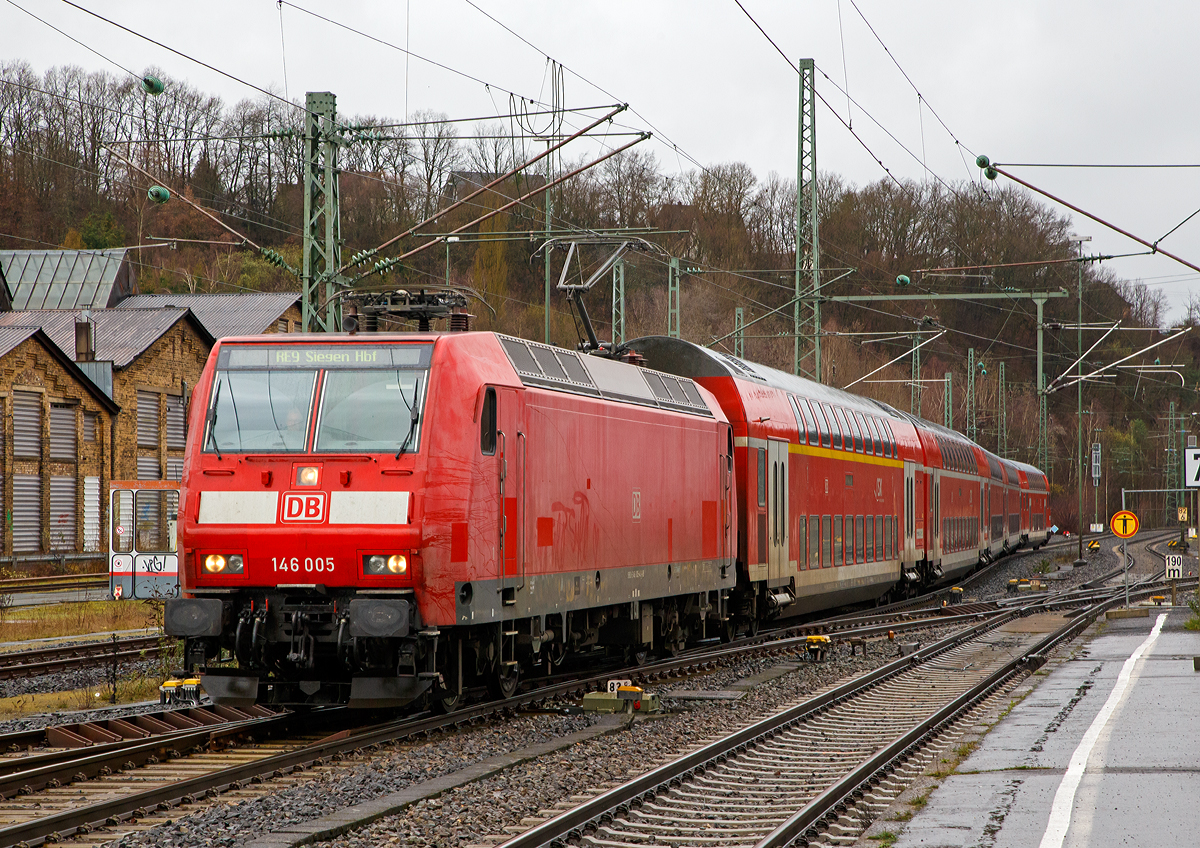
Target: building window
[176, 422]
[89, 426]
[63, 444]
[27, 424]
[147, 419]
[281, 325]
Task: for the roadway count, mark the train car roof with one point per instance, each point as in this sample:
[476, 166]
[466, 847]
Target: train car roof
[683, 358]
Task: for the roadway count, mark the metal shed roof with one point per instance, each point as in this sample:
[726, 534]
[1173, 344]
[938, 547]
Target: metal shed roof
[10, 337]
[223, 314]
[121, 334]
[61, 279]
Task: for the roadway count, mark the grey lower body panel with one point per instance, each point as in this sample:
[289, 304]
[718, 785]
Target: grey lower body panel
[484, 601]
[821, 588]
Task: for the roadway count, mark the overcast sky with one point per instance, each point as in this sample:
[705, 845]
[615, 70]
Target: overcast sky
[1024, 81]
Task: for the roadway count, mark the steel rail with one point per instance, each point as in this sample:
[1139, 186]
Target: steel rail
[45, 660]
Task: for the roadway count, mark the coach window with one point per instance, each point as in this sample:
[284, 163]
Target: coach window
[862, 425]
[487, 424]
[813, 435]
[890, 448]
[841, 434]
[837, 541]
[875, 445]
[762, 476]
[826, 541]
[887, 537]
[822, 424]
[858, 539]
[800, 428]
[858, 436]
[814, 542]
[870, 544]
[801, 543]
[879, 538]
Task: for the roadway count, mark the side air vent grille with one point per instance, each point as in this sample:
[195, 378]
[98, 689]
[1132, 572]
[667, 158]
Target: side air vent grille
[568, 371]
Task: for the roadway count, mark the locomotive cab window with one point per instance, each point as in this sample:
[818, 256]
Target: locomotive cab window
[487, 424]
[263, 398]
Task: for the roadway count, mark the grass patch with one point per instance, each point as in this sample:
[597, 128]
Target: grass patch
[1193, 603]
[885, 838]
[965, 750]
[129, 690]
[921, 800]
[904, 816]
[76, 619]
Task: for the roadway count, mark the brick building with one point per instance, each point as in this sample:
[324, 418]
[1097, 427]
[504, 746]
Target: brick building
[151, 359]
[54, 442]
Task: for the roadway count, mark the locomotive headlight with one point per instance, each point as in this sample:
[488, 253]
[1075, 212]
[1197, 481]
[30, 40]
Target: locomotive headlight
[382, 564]
[307, 475]
[220, 564]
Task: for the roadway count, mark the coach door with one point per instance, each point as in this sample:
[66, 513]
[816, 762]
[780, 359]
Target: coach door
[910, 520]
[777, 511]
[511, 451]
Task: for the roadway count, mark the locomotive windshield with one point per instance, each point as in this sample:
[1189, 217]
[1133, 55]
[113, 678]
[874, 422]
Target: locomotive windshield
[265, 399]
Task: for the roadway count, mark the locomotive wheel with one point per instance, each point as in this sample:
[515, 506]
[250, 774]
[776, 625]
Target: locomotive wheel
[503, 680]
[448, 703]
[636, 657]
[728, 630]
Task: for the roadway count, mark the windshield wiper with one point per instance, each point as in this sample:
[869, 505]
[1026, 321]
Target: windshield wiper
[414, 414]
[211, 423]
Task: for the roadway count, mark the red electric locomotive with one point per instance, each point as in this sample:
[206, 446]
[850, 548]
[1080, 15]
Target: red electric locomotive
[376, 518]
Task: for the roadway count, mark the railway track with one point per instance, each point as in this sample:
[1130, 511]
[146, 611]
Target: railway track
[96, 774]
[62, 582]
[828, 765]
[113, 782]
[82, 655]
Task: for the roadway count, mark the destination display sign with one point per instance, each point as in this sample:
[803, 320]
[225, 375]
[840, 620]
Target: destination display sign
[329, 356]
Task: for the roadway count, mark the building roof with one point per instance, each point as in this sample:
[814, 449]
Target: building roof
[10, 337]
[65, 279]
[122, 335]
[223, 314]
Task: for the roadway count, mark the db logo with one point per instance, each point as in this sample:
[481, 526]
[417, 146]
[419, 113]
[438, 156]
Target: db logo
[303, 506]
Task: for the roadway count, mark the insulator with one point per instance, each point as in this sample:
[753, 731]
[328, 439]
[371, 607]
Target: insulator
[152, 85]
[158, 194]
[982, 161]
[460, 322]
[368, 322]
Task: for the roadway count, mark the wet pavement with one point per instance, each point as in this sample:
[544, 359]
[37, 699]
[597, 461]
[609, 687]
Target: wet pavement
[1105, 751]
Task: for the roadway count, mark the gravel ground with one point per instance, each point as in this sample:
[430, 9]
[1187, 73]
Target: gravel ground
[394, 768]
[1036, 564]
[487, 806]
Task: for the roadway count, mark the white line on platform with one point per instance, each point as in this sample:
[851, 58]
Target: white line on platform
[1064, 798]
